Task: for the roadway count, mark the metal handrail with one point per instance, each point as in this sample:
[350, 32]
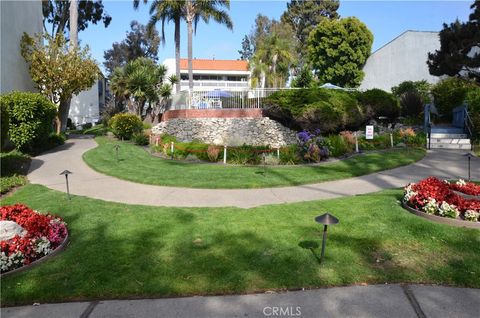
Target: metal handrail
[468, 123]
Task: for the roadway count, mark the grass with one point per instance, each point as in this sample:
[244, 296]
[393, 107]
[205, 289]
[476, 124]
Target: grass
[14, 167]
[137, 165]
[129, 251]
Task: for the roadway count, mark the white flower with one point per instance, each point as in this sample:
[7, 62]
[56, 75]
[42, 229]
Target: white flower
[446, 181]
[42, 246]
[448, 210]
[461, 182]
[431, 206]
[409, 193]
[471, 215]
[10, 262]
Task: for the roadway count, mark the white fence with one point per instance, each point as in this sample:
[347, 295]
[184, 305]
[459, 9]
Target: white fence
[222, 99]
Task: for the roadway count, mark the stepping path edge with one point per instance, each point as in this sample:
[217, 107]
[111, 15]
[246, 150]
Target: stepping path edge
[85, 181]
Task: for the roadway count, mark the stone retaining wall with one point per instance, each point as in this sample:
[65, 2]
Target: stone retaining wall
[228, 131]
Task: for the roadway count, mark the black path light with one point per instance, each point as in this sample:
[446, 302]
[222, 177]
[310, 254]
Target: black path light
[469, 156]
[325, 219]
[117, 146]
[66, 173]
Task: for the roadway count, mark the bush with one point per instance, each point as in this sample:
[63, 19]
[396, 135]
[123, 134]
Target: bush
[378, 103]
[289, 155]
[339, 146]
[98, 130]
[3, 125]
[450, 93]
[124, 125]
[245, 154]
[140, 139]
[30, 119]
[212, 153]
[308, 109]
[413, 96]
[87, 126]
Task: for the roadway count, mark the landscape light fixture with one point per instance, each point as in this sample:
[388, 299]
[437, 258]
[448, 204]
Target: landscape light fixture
[469, 156]
[325, 219]
[66, 173]
[117, 146]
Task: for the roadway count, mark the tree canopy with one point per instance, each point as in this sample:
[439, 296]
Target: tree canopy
[138, 43]
[57, 14]
[273, 52]
[58, 71]
[304, 15]
[338, 49]
[459, 53]
[246, 52]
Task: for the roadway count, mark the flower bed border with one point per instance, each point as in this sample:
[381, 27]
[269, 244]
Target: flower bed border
[60, 248]
[441, 219]
[467, 196]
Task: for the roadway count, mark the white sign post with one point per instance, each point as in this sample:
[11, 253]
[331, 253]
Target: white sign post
[369, 132]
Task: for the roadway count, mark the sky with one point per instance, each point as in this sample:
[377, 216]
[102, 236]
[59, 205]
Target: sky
[386, 20]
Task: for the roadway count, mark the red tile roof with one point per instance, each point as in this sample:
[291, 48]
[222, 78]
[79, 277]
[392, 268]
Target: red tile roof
[215, 65]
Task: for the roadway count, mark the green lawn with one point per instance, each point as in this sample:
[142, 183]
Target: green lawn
[125, 251]
[137, 165]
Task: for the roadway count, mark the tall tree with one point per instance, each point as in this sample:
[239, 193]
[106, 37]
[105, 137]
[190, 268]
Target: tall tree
[338, 49]
[58, 70]
[56, 14]
[273, 56]
[459, 53]
[141, 81]
[166, 11]
[246, 52]
[304, 16]
[138, 43]
[73, 24]
[205, 10]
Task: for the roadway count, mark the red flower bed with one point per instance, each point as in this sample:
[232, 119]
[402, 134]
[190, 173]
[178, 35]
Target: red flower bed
[431, 194]
[469, 188]
[44, 233]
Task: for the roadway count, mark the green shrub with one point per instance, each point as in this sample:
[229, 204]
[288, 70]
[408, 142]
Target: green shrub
[124, 125]
[140, 139]
[450, 93]
[473, 99]
[245, 154]
[3, 124]
[8, 183]
[338, 145]
[309, 109]
[289, 155]
[30, 119]
[378, 103]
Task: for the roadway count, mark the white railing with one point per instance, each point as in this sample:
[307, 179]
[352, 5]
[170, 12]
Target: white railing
[222, 99]
[214, 84]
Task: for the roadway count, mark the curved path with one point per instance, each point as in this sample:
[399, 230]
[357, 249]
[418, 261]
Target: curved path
[85, 181]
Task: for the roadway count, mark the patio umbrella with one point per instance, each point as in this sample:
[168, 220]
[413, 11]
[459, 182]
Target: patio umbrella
[218, 94]
[331, 86]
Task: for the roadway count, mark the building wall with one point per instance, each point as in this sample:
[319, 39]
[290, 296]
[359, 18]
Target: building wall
[17, 17]
[85, 107]
[403, 59]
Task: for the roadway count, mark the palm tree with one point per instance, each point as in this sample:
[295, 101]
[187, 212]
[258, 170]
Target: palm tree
[73, 24]
[165, 11]
[140, 82]
[203, 9]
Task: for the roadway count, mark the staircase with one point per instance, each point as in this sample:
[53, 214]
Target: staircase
[449, 137]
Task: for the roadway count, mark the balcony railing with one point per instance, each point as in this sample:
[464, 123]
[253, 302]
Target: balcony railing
[221, 99]
[202, 84]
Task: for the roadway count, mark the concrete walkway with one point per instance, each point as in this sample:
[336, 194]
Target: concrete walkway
[389, 301]
[85, 181]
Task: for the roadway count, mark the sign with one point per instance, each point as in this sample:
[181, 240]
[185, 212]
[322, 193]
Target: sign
[369, 132]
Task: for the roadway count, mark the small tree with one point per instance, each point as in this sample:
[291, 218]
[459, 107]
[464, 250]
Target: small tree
[57, 71]
[338, 49]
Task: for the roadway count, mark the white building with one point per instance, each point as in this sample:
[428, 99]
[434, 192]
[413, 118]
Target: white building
[17, 17]
[212, 74]
[402, 59]
[87, 106]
